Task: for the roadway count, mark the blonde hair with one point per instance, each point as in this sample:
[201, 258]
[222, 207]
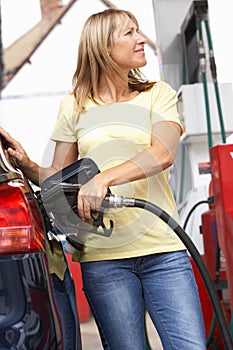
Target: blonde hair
[94, 59]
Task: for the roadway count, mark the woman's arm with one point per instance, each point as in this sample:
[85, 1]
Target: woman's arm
[65, 153]
[159, 156]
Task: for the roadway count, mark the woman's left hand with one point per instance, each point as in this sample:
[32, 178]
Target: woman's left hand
[90, 196]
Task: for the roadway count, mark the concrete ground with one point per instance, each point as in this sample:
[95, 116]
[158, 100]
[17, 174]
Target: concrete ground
[91, 339]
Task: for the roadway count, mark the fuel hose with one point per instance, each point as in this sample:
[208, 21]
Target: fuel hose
[112, 201]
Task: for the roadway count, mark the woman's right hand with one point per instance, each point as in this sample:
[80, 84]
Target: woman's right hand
[14, 150]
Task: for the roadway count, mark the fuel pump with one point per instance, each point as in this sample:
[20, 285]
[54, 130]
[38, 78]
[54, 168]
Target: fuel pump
[216, 222]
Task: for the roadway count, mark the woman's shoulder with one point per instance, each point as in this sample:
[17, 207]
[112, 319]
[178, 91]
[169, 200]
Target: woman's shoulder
[68, 99]
[158, 88]
[162, 85]
[162, 90]
[68, 104]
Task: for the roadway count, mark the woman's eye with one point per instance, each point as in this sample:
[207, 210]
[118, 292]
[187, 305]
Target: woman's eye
[129, 32]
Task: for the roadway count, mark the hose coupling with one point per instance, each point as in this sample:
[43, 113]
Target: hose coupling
[115, 201]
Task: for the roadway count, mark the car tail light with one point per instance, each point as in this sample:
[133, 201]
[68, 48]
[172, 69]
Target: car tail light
[20, 229]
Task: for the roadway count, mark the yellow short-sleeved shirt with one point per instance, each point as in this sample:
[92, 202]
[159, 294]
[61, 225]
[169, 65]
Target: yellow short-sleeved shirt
[111, 134]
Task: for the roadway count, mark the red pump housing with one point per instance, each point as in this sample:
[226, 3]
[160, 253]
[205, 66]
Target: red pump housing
[222, 176]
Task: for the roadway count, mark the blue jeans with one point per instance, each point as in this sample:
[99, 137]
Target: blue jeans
[118, 292]
[64, 295]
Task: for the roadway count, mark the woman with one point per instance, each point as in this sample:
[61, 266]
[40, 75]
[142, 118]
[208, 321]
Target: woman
[130, 127]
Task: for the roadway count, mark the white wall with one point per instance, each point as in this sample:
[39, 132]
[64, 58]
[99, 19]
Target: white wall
[18, 16]
[221, 24]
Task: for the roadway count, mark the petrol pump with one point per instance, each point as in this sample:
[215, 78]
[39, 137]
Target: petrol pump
[217, 226]
[187, 62]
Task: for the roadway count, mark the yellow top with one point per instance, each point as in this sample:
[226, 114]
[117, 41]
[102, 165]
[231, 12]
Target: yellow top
[111, 134]
[57, 262]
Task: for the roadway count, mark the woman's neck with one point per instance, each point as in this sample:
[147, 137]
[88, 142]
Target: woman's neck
[115, 91]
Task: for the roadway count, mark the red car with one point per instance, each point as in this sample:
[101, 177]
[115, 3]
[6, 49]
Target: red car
[37, 309]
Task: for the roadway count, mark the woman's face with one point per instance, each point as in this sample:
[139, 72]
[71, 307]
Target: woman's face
[127, 48]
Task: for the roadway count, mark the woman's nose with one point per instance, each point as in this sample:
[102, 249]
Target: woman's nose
[141, 38]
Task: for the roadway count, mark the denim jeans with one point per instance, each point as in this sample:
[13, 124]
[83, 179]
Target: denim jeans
[118, 292]
[64, 294]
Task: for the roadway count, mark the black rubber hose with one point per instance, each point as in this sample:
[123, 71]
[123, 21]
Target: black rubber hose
[213, 322]
[223, 327]
[192, 210]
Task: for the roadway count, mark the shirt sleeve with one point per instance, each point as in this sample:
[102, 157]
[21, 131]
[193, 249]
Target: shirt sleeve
[64, 130]
[164, 104]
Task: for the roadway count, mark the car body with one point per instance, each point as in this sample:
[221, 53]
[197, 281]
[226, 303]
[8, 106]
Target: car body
[31, 301]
